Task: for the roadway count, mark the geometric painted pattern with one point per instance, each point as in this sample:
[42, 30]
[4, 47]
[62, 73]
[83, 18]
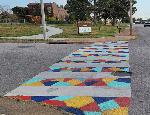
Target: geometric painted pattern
[94, 61]
[102, 51]
[97, 55]
[88, 69]
[97, 59]
[84, 105]
[110, 82]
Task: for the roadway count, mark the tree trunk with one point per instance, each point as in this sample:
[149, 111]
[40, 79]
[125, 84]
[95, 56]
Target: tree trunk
[105, 21]
[113, 21]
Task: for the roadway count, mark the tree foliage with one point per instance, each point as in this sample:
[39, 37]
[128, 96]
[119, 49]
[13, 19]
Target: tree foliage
[103, 9]
[78, 9]
[20, 11]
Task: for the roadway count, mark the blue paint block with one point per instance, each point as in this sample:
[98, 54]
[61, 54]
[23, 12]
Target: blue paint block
[90, 83]
[50, 83]
[41, 98]
[126, 80]
[103, 99]
[73, 110]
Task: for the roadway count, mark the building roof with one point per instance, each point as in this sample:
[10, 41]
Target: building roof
[32, 4]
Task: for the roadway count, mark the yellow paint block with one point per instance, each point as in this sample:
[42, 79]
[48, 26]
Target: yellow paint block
[34, 84]
[79, 101]
[60, 79]
[74, 81]
[115, 69]
[108, 80]
[119, 111]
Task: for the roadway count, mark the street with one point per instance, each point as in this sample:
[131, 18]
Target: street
[140, 67]
[21, 62]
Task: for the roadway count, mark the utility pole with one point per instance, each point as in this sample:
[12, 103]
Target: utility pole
[43, 19]
[131, 20]
[95, 11]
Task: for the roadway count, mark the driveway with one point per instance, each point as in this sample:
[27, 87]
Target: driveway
[140, 66]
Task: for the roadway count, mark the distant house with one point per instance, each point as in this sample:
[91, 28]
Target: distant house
[51, 10]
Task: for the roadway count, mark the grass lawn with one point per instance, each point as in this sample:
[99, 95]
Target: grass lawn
[17, 30]
[70, 31]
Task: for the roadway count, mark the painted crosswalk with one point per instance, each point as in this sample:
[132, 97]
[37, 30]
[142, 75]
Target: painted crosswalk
[84, 83]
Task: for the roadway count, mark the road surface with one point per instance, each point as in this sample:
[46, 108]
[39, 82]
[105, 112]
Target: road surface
[140, 66]
[20, 62]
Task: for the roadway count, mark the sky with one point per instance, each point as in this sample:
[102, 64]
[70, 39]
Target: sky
[143, 9]
[143, 6]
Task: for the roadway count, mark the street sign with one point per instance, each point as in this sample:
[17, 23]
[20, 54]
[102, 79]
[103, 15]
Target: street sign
[84, 27]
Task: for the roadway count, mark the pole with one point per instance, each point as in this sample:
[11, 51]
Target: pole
[131, 20]
[95, 11]
[43, 19]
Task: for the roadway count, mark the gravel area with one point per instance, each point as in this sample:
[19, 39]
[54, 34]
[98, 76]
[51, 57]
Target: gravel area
[140, 67]
[14, 107]
[21, 62]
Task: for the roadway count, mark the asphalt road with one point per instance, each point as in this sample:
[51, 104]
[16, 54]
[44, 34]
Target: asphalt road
[21, 62]
[140, 67]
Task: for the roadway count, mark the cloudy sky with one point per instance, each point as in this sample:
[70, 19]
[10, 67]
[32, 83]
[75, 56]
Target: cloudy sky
[143, 6]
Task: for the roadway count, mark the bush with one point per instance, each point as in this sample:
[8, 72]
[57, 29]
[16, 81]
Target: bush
[57, 22]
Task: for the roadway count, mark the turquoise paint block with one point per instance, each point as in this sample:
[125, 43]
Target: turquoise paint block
[126, 54]
[62, 84]
[97, 69]
[109, 105]
[92, 113]
[91, 57]
[126, 69]
[62, 98]
[35, 79]
[81, 79]
[54, 67]
[116, 84]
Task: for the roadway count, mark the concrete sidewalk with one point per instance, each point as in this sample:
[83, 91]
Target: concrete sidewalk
[51, 31]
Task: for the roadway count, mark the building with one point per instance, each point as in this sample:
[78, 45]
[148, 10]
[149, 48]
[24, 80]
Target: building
[51, 10]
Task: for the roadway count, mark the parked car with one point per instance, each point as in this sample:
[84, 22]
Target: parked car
[147, 24]
[137, 22]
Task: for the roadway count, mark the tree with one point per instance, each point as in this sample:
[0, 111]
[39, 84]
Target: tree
[5, 14]
[114, 9]
[21, 12]
[78, 9]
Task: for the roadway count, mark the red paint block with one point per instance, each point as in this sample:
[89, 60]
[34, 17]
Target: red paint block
[91, 107]
[55, 103]
[101, 83]
[123, 101]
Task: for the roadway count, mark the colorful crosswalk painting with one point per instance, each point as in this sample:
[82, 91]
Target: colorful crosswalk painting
[83, 83]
